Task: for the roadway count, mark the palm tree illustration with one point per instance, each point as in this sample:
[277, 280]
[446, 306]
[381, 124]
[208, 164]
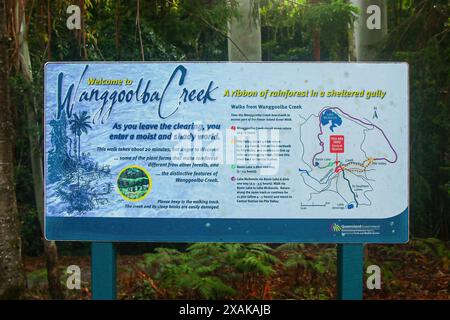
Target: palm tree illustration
[79, 125]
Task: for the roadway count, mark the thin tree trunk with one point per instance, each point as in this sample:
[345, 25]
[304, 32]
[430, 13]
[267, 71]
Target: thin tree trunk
[316, 38]
[83, 30]
[117, 33]
[12, 279]
[49, 31]
[50, 249]
[316, 45]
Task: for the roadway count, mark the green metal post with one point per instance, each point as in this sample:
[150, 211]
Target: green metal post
[350, 271]
[103, 271]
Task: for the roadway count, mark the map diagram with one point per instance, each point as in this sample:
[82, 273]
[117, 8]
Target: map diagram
[340, 158]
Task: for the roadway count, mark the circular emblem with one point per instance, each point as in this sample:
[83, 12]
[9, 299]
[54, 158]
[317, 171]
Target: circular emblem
[134, 183]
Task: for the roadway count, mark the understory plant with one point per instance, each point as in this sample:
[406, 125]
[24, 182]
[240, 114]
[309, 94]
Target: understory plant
[211, 271]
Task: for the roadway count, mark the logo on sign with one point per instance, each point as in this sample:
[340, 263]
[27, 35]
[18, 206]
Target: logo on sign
[336, 228]
[134, 183]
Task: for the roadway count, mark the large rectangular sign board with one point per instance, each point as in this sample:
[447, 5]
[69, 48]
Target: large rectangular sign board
[235, 152]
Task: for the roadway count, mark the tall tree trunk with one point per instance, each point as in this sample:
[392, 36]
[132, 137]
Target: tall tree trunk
[316, 38]
[316, 44]
[244, 36]
[12, 279]
[364, 40]
[117, 31]
[366, 37]
[34, 136]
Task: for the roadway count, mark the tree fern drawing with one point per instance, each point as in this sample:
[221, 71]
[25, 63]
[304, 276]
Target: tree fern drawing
[79, 125]
[79, 181]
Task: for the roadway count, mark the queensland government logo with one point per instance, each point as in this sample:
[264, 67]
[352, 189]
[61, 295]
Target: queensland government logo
[335, 227]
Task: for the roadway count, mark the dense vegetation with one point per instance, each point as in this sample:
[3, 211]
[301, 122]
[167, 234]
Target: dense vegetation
[421, 37]
[418, 270]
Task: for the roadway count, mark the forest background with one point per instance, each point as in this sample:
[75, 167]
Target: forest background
[35, 31]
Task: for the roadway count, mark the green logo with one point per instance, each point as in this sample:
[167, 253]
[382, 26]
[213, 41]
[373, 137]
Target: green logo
[336, 228]
[134, 183]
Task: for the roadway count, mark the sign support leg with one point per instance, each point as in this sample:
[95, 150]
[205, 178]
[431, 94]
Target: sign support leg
[350, 271]
[103, 271]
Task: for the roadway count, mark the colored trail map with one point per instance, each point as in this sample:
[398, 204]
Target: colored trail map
[341, 158]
